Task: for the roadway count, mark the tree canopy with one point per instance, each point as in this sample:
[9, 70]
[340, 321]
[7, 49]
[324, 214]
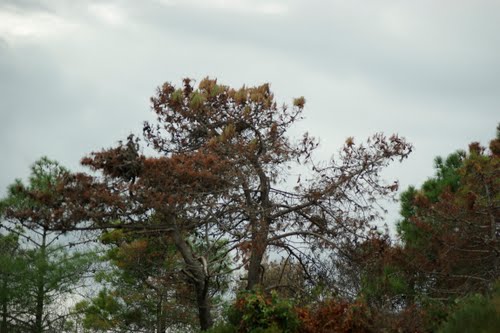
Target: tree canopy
[38, 272]
[218, 196]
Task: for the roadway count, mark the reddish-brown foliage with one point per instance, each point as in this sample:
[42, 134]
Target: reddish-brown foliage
[336, 316]
[225, 156]
[461, 230]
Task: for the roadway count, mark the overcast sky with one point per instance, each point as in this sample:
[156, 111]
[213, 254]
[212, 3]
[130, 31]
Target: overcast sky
[76, 76]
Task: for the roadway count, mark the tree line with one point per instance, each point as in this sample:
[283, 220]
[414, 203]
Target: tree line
[214, 231]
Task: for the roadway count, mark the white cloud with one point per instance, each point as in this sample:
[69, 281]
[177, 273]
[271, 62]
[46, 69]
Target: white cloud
[108, 13]
[272, 8]
[16, 26]
[240, 6]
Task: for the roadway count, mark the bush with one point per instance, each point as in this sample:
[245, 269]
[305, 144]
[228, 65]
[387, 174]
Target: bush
[475, 314]
[335, 316]
[255, 312]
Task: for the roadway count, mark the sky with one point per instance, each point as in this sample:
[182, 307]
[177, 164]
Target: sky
[76, 76]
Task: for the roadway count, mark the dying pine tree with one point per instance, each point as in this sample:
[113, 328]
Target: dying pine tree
[219, 184]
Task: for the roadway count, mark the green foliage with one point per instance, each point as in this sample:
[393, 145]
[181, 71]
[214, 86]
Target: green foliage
[222, 327]
[145, 283]
[142, 283]
[13, 274]
[100, 312]
[34, 279]
[450, 240]
[255, 312]
[475, 314]
[387, 284]
[37, 270]
[41, 183]
[447, 177]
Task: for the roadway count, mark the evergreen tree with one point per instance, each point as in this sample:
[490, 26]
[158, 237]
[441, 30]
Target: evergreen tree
[47, 271]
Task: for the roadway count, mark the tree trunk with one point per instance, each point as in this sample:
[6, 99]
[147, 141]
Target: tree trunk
[160, 320]
[39, 311]
[260, 228]
[203, 302]
[491, 210]
[198, 275]
[40, 293]
[259, 245]
[3, 327]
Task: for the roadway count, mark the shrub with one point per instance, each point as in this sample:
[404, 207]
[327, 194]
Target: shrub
[335, 316]
[256, 312]
[475, 314]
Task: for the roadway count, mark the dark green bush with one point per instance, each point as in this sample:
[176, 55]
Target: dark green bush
[255, 312]
[475, 314]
